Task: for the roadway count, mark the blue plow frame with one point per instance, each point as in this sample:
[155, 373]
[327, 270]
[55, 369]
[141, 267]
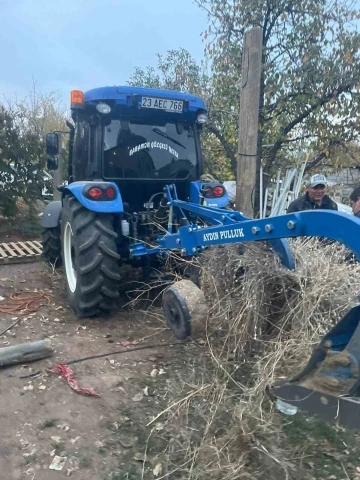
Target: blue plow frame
[229, 227]
[332, 382]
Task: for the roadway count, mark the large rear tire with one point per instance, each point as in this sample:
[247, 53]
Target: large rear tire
[90, 259]
[51, 244]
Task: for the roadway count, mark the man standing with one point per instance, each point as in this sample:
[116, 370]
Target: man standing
[314, 198]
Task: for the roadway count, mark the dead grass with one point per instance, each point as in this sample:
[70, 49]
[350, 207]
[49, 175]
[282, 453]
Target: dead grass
[262, 326]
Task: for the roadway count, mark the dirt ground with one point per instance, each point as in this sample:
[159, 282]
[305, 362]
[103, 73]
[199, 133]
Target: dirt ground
[102, 437]
[109, 437]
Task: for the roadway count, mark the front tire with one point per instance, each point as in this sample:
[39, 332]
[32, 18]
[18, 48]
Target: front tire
[90, 259]
[51, 245]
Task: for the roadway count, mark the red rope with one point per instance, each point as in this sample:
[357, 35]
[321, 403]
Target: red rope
[66, 372]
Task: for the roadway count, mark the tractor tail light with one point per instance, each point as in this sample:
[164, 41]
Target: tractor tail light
[218, 191]
[95, 193]
[110, 192]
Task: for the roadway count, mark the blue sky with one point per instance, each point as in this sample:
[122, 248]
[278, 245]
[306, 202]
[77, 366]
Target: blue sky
[82, 44]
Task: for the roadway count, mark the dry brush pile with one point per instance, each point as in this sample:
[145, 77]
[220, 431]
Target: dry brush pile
[263, 323]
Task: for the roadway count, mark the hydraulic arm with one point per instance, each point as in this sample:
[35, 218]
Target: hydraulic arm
[226, 227]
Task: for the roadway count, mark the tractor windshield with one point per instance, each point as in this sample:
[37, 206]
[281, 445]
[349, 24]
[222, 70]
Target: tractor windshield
[160, 152]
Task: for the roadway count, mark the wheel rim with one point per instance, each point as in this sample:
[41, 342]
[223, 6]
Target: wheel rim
[69, 258]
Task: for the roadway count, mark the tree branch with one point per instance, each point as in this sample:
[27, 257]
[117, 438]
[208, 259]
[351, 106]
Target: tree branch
[315, 161]
[227, 147]
[301, 117]
[321, 155]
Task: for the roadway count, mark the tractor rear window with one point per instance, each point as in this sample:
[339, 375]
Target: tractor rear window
[135, 150]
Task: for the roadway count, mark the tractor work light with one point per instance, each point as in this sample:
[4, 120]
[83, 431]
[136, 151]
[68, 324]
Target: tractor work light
[202, 118]
[103, 108]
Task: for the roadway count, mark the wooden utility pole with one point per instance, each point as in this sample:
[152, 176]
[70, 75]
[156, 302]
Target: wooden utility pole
[249, 121]
[58, 174]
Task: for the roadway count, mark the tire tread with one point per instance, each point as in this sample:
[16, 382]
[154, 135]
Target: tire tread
[97, 260]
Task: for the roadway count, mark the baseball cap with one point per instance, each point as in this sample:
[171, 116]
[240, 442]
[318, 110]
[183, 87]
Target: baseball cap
[317, 179]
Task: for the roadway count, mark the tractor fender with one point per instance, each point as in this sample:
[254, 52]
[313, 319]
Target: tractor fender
[51, 215]
[97, 206]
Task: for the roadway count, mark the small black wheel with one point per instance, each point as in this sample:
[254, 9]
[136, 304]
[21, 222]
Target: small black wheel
[177, 313]
[51, 244]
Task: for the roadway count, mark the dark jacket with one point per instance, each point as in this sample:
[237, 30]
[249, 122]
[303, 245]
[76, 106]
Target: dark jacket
[350, 256]
[305, 203]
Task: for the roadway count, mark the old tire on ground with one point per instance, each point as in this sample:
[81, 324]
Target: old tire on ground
[51, 244]
[90, 259]
[185, 309]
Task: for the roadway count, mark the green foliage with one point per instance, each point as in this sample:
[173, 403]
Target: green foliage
[310, 81]
[311, 69]
[21, 162]
[178, 71]
[23, 126]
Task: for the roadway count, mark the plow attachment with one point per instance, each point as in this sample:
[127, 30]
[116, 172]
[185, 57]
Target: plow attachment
[329, 384]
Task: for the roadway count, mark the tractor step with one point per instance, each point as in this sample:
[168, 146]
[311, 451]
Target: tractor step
[20, 252]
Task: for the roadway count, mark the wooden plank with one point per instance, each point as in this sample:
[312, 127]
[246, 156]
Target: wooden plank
[38, 244]
[26, 248]
[35, 247]
[9, 250]
[13, 260]
[20, 252]
[17, 249]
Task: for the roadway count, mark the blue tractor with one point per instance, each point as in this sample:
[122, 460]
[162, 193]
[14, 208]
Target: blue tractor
[136, 192]
[126, 144]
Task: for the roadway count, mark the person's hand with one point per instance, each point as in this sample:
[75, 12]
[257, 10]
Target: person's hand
[356, 206]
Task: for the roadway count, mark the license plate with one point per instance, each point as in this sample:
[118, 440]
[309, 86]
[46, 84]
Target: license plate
[162, 104]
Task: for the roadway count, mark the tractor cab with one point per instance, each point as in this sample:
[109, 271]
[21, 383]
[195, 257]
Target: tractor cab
[140, 139]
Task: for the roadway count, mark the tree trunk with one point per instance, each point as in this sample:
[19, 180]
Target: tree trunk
[25, 352]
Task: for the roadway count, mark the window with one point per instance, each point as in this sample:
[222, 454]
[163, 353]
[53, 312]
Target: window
[135, 150]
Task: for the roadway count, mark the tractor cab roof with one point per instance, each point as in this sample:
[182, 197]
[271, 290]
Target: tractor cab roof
[146, 102]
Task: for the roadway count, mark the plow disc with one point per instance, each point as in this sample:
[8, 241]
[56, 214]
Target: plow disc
[329, 384]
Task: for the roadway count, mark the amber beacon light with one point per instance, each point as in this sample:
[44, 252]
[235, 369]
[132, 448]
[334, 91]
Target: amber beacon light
[77, 96]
